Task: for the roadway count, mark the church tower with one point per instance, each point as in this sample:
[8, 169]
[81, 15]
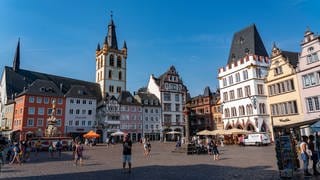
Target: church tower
[111, 64]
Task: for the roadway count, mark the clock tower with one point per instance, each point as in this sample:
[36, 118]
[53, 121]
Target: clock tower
[111, 64]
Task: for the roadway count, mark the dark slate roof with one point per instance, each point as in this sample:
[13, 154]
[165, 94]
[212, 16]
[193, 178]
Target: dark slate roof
[16, 60]
[170, 71]
[126, 98]
[111, 36]
[147, 96]
[19, 80]
[292, 57]
[207, 91]
[78, 91]
[246, 41]
[42, 87]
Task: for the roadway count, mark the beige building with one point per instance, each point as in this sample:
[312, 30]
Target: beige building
[283, 88]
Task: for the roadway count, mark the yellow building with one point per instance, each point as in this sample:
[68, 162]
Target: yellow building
[283, 88]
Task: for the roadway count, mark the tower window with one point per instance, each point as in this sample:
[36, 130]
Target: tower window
[111, 88]
[110, 74]
[111, 59]
[120, 75]
[119, 62]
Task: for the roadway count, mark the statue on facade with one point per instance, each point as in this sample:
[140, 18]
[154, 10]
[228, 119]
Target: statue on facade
[52, 129]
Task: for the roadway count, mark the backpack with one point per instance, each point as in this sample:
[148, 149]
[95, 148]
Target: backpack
[59, 145]
[17, 149]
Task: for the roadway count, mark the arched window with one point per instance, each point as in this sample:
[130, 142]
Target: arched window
[111, 60]
[119, 61]
[110, 74]
[120, 75]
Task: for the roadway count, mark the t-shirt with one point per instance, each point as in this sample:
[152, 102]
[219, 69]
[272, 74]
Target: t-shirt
[127, 145]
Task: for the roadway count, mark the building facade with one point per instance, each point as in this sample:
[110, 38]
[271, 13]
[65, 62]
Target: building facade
[172, 93]
[309, 76]
[80, 111]
[111, 64]
[216, 110]
[242, 89]
[284, 102]
[151, 115]
[130, 116]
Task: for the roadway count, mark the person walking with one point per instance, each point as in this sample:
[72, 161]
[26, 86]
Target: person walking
[78, 154]
[59, 147]
[148, 148]
[215, 151]
[16, 154]
[37, 148]
[51, 149]
[304, 155]
[314, 155]
[126, 153]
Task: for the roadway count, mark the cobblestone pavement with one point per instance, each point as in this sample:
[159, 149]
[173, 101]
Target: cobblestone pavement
[102, 162]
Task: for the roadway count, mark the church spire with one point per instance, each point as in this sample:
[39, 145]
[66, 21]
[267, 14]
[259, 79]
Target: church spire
[111, 36]
[16, 60]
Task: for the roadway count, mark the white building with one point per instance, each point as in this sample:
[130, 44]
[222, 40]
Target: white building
[151, 115]
[171, 92]
[80, 116]
[242, 89]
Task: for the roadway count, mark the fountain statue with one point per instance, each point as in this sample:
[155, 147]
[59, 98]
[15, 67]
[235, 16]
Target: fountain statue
[52, 130]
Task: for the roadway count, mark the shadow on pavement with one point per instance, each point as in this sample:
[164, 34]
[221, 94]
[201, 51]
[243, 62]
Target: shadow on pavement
[192, 172]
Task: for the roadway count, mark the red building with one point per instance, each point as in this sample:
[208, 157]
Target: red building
[34, 106]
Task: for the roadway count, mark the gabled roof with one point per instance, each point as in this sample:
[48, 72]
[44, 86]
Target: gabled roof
[78, 91]
[42, 87]
[246, 41]
[17, 81]
[126, 98]
[293, 57]
[149, 97]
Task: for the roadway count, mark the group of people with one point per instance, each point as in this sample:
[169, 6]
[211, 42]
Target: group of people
[16, 152]
[213, 149]
[308, 152]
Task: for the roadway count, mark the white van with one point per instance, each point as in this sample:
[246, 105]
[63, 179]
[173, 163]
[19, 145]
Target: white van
[257, 139]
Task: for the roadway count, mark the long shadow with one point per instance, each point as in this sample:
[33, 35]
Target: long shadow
[190, 172]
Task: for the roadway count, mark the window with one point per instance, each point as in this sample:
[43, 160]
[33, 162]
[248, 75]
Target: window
[70, 111]
[178, 118]
[258, 73]
[247, 91]
[60, 100]
[241, 111]
[40, 122]
[146, 110]
[262, 108]
[239, 92]
[231, 95]
[89, 112]
[90, 102]
[146, 126]
[77, 111]
[313, 103]
[30, 122]
[233, 112]
[311, 58]
[31, 110]
[118, 89]
[111, 60]
[119, 62]
[59, 111]
[225, 96]
[231, 80]
[111, 88]
[177, 97]
[31, 99]
[49, 111]
[120, 75]
[78, 101]
[225, 82]
[245, 75]
[71, 123]
[177, 107]
[89, 123]
[40, 111]
[278, 70]
[238, 77]
[39, 100]
[110, 74]
[84, 102]
[77, 123]
[167, 96]
[46, 100]
[58, 122]
[83, 123]
[260, 89]
[71, 101]
[284, 108]
[167, 107]
[309, 80]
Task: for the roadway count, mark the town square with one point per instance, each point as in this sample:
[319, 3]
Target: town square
[159, 89]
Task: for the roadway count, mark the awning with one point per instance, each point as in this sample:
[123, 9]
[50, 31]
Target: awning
[297, 124]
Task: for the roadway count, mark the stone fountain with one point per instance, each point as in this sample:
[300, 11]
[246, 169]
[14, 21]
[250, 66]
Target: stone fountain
[52, 130]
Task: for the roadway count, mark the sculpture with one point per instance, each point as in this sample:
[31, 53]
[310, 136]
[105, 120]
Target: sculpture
[52, 130]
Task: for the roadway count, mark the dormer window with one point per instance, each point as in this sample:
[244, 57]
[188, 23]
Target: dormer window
[310, 49]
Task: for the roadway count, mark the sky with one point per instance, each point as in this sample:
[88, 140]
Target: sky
[60, 37]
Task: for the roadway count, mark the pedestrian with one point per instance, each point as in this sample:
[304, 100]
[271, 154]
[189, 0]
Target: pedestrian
[148, 148]
[27, 150]
[59, 147]
[126, 153]
[145, 147]
[37, 148]
[16, 154]
[78, 154]
[108, 141]
[215, 151]
[51, 149]
[314, 154]
[304, 155]
[73, 149]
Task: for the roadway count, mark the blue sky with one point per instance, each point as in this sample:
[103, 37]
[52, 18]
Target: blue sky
[60, 37]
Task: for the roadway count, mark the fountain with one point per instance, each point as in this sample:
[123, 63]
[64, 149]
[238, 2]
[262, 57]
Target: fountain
[52, 130]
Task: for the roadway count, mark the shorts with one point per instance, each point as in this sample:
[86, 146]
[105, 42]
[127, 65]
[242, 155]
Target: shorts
[126, 158]
[215, 152]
